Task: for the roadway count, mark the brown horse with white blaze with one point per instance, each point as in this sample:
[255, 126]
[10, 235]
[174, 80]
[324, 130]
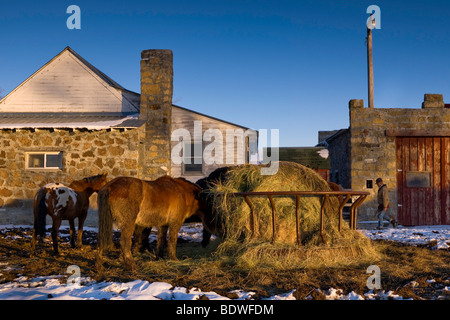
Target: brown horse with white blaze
[64, 203]
[135, 204]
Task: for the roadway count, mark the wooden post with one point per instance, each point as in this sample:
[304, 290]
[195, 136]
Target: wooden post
[274, 219]
[297, 219]
[322, 210]
[252, 217]
[341, 208]
[370, 66]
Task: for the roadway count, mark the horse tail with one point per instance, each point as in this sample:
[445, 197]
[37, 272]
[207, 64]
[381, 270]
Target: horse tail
[105, 220]
[40, 213]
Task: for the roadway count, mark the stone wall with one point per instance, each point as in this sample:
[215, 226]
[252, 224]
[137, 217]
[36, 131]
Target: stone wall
[373, 153]
[156, 109]
[85, 153]
[339, 151]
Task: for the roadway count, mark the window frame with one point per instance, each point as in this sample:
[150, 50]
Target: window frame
[192, 173]
[45, 154]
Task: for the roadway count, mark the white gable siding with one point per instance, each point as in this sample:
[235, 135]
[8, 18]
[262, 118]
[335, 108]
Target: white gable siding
[184, 119]
[65, 84]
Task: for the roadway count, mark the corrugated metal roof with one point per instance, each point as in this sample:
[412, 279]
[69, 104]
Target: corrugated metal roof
[93, 121]
[131, 123]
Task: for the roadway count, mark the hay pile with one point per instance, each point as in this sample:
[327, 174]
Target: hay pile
[344, 247]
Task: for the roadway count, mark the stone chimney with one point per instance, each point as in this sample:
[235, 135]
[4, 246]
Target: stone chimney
[433, 101]
[156, 109]
[356, 103]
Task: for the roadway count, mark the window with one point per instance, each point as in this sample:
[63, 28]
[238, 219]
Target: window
[418, 179]
[193, 160]
[44, 160]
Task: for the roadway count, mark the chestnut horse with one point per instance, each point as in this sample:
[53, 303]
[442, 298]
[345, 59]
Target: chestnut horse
[64, 203]
[135, 205]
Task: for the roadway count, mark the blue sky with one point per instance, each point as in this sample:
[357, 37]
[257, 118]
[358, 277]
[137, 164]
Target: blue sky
[287, 65]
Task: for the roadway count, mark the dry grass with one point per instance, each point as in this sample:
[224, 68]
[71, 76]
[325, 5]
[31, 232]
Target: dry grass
[202, 268]
[342, 248]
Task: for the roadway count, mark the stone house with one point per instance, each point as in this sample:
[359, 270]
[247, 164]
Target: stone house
[69, 120]
[408, 148]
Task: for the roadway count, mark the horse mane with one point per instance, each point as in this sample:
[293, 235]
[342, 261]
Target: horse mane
[79, 185]
[184, 180]
[218, 175]
[93, 178]
[177, 179]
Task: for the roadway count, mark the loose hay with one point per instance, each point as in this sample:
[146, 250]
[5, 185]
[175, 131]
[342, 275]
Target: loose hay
[342, 248]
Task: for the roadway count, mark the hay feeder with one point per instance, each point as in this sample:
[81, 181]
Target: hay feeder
[325, 195]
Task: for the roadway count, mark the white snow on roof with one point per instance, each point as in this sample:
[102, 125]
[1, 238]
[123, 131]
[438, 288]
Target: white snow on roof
[94, 125]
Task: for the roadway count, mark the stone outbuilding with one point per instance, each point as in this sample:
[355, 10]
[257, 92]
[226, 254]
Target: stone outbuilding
[69, 120]
[408, 148]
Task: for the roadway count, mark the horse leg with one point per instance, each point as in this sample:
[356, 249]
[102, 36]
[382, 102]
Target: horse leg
[125, 246]
[72, 233]
[137, 237]
[172, 243]
[144, 239]
[33, 242]
[55, 230]
[141, 235]
[34, 237]
[162, 235]
[81, 220]
[206, 238]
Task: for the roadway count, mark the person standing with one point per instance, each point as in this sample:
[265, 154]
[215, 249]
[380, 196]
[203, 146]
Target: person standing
[383, 205]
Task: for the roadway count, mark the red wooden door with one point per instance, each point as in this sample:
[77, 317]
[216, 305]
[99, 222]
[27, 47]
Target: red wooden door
[423, 180]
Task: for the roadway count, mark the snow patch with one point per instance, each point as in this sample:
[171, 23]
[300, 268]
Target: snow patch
[52, 287]
[436, 237]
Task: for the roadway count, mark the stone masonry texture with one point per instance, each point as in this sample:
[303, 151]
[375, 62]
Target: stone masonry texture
[156, 109]
[373, 153]
[85, 153]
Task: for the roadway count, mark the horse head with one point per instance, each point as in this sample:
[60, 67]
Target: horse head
[89, 184]
[209, 216]
[212, 223]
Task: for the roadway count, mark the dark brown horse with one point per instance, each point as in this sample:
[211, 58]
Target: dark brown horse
[135, 205]
[64, 203]
[213, 224]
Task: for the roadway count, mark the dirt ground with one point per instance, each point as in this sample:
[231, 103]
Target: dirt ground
[408, 271]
